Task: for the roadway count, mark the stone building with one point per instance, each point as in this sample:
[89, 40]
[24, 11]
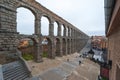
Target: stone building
[73, 39]
[99, 42]
[112, 20]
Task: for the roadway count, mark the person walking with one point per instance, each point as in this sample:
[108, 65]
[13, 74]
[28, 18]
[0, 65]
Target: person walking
[79, 62]
[80, 59]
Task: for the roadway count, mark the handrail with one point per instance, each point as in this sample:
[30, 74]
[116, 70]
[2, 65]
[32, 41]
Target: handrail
[26, 65]
[23, 61]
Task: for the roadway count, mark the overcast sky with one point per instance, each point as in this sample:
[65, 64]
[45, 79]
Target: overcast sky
[87, 15]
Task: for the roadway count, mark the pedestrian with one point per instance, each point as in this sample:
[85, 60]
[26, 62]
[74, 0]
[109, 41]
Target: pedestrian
[80, 56]
[67, 60]
[79, 62]
[99, 77]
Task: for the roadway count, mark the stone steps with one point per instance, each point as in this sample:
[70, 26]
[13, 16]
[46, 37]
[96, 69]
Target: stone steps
[15, 71]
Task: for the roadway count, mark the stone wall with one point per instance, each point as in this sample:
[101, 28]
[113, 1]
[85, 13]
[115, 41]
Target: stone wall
[7, 40]
[8, 32]
[8, 15]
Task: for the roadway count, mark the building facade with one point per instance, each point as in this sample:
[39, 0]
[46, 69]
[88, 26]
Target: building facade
[112, 20]
[99, 42]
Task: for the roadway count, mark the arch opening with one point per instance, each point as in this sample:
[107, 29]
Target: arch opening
[25, 26]
[26, 46]
[70, 32]
[62, 30]
[66, 31]
[55, 28]
[25, 21]
[71, 46]
[45, 26]
[68, 46]
[47, 48]
[64, 47]
[57, 47]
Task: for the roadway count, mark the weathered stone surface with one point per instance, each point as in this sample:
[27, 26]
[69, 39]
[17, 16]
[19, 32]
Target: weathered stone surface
[9, 38]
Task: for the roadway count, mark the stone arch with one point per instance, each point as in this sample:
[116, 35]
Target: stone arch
[56, 28]
[26, 44]
[64, 46]
[70, 32]
[48, 47]
[32, 37]
[32, 49]
[68, 46]
[45, 25]
[21, 5]
[74, 45]
[24, 21]
[71, 45]
[58, 47]
[73, 33]
[33, 10]
[62, 30]
[47, 16]
[67, 31]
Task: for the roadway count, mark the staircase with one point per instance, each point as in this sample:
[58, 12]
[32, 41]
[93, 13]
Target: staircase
[15, 71]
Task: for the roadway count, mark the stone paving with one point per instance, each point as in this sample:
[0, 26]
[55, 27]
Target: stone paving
[71, 70]
[59, 73]
[87, 71]
[38, 68]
